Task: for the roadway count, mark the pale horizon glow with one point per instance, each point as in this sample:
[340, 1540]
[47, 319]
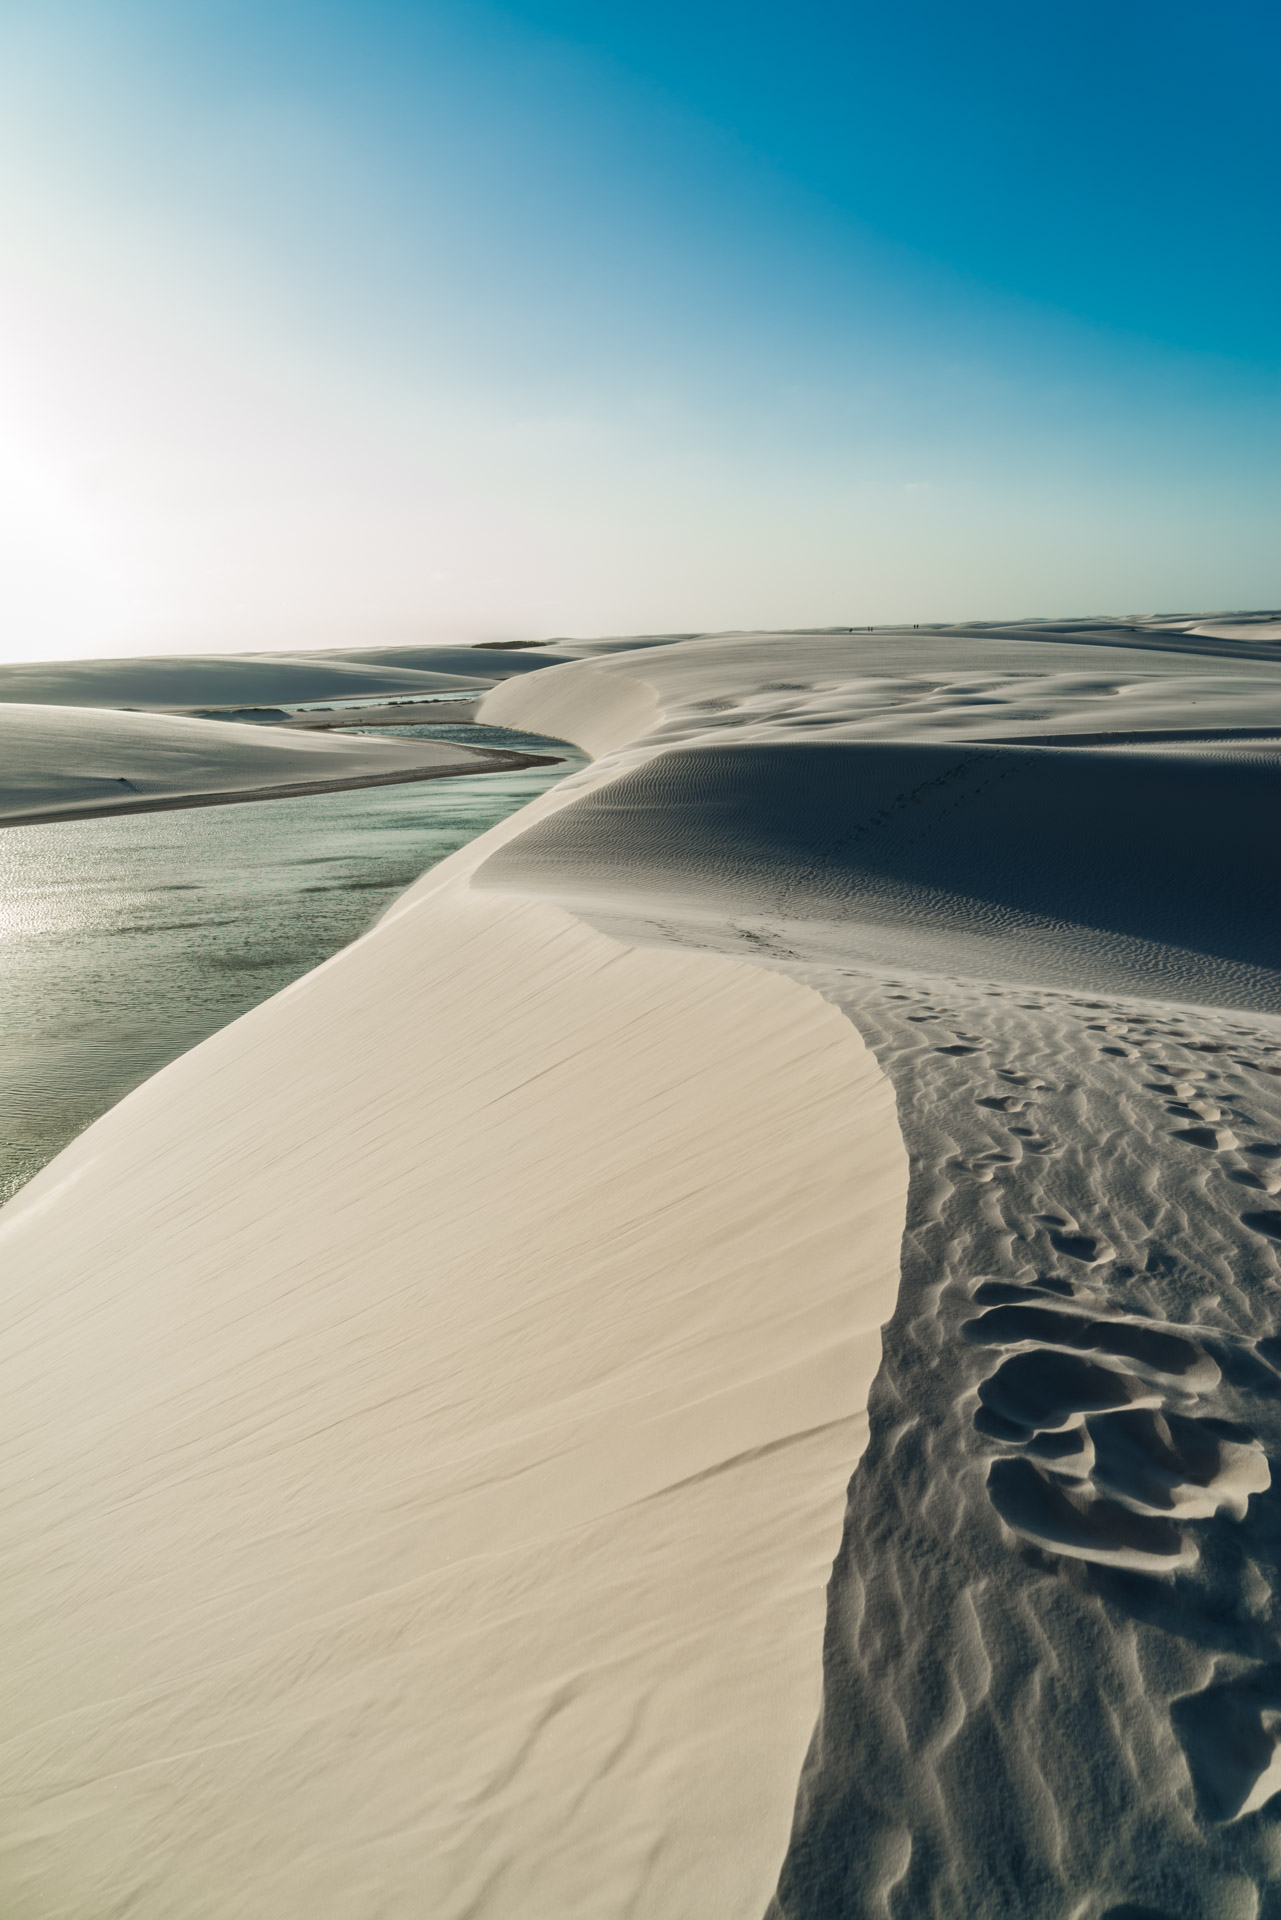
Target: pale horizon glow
[306, 350]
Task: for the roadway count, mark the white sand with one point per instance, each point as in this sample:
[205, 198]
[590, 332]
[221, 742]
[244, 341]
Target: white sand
[184, 681]
[1035, 866]
[428, 1406]
[66, 761]
[984, 803]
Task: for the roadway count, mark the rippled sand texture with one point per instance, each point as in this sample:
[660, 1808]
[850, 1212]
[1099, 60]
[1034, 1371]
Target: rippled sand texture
[1052, 1667]
[429, 1400]
[1052, 1664]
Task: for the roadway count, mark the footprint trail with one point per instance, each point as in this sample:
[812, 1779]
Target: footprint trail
[1052, 1676]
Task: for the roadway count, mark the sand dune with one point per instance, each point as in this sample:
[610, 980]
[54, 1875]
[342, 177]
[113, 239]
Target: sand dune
[434, 1398]
[431, 1399]
[1051, 1661]
[64, 762]
[478, 665]
[182, 682]
[1037, 864]
[215, 680]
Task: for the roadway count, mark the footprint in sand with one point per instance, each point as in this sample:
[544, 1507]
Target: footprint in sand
[1216, 1139]
[1266, 1180]
[1102, 1466]
[1137, 1341]
[985, 1166]
[1265, 1176]
[1036, 1505]
[1230, 1733]
[1092, 1249]
[990, 1293]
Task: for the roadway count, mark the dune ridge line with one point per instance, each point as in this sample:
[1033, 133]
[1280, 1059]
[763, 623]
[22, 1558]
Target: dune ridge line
[431, 1402]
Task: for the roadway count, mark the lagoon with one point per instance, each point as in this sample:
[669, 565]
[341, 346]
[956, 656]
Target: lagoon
[126, 940]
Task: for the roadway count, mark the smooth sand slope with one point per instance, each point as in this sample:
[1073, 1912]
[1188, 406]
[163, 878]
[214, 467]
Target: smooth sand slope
[188, 681]
[427, 1404]
[65, 762]
[428, 1407]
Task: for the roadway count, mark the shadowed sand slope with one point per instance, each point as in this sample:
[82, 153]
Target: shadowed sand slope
[428, 1408]
[427, 1405]
[1051, 864]
[1052, 1664]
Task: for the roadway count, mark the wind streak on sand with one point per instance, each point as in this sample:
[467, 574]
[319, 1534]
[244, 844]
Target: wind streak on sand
[429, 1405]
[429, 1400]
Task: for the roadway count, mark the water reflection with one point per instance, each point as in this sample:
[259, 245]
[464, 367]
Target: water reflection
[125, 941]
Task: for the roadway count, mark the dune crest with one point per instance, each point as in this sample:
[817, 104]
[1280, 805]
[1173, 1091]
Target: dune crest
[67, 762]
[1029, 863]
[432, 1401]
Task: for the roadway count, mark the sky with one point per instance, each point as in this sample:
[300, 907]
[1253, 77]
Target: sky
[332, 324]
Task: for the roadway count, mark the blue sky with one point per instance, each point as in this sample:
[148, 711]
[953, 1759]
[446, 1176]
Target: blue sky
[327, 323]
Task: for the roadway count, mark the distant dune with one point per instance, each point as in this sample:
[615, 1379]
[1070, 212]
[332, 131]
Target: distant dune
[63, 762]
[182, 682]
[214, 680]
[432, 1401]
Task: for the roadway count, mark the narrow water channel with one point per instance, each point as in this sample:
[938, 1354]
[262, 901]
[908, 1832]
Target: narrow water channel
[125, 941]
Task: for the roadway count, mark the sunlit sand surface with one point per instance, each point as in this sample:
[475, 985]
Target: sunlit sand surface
[430, 1402]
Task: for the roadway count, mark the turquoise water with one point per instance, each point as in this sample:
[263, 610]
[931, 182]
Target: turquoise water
[125, 941]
